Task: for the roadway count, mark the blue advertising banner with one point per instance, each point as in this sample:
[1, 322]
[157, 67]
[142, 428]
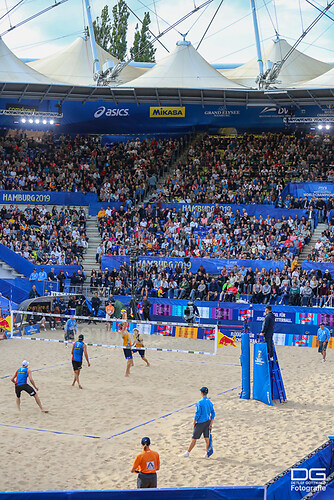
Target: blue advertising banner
[31, 329]
[252, 210]
[261, 375]
[322, 266]
[309, 189]
[211, 266]
[47, 198]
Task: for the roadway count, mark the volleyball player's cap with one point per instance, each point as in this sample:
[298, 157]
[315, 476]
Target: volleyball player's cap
[25, 363]
[146, 441]
[204, 390]
[123, 311]
[81, 337]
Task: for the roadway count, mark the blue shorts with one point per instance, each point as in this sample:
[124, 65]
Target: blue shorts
[141, 352]
[127, 353]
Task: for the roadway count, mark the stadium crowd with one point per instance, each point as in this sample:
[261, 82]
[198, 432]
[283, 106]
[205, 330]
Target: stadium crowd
[291, 286]
[56, 237]
[116, 172]
[251, 169]
[323, 250]
[200, 233]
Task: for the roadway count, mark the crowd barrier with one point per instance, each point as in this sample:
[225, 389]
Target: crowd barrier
[210, 493]
[211, 266]
[25, 267]
[309, 189]
[300, 479]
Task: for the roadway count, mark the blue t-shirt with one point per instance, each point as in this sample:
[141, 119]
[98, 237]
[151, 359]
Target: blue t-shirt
[78, 351]
[204, 410]
[22, 375]
[323, 335]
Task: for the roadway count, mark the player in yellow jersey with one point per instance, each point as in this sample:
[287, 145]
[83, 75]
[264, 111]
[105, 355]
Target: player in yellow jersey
[139, 345]
[126, 343]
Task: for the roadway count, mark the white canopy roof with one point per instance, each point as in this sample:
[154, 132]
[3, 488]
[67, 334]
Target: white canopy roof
[298, 66]
[323, 81]
[183, 68]
[13, 70]
[74, 64]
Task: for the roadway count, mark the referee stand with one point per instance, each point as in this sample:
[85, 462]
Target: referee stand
[268, 384]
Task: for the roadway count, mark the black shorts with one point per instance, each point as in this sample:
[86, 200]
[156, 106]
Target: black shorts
[24, 387]
[141, 352]
[127, 353]
[201, 428]
[147, 480]
[77, 365]
[322, 345]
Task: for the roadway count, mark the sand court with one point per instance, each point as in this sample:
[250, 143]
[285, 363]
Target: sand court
[252, 442]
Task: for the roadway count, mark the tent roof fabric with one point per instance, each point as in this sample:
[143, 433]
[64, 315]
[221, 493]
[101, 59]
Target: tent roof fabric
[298, 67]
[13, 70]
[74, 64]
[323, 81]
[183, 68]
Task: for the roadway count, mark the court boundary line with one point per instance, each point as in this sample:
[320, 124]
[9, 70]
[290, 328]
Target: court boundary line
[118, 433]
[55, 366]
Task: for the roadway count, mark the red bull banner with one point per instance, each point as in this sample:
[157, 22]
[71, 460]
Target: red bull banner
[224, 340]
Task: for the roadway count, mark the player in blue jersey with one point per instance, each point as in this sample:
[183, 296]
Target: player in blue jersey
[79, 348]
[20, 378]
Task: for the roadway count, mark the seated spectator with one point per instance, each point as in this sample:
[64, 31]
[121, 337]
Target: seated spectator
[266, 293]
[294, 294]
[307, 295]
[212, 290]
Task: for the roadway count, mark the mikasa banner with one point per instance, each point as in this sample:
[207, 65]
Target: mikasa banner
[167, 112]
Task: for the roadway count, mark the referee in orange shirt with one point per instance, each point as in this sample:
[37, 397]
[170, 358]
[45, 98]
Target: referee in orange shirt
[146, 464]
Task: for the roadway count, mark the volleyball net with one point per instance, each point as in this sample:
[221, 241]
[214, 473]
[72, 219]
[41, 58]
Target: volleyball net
[103, 332]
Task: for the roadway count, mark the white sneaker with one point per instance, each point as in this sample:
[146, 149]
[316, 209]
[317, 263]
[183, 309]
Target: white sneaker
[186, 454]
[206, 455]
[323, 360]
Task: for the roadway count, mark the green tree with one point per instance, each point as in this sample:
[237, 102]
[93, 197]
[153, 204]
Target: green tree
[119, 30]
[102, 29]
[141, 42]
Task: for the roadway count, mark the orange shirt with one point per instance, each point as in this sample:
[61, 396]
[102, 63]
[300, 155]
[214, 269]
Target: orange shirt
[110, 310]
[147, 461]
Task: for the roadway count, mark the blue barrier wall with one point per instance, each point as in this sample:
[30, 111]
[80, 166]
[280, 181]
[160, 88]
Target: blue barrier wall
[25, 267]
[211, 266]
[214, 493]
[287, 488]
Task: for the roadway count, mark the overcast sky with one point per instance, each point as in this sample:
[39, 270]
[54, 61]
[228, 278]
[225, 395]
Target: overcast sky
[230, 38]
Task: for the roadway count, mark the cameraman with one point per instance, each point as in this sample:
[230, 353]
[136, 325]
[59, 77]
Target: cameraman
[191, 312]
